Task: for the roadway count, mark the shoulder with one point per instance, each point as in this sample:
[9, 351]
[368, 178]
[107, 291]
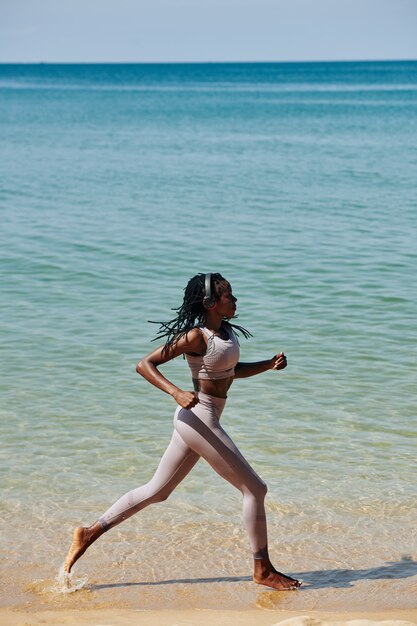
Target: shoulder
[187, 341]
[194, 341]
[195, 334]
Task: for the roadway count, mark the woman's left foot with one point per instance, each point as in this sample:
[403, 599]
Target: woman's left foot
[277, 581]
[266, 574]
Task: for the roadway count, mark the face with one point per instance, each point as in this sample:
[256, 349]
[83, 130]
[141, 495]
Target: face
[226, 305]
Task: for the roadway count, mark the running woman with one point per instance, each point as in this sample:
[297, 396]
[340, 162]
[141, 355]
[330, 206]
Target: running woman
[203, 333]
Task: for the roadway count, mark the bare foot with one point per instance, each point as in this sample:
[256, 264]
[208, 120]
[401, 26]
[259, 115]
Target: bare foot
[266, 574]
[82, 539]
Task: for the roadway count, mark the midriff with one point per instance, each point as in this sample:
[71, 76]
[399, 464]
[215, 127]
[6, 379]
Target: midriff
[216, 388]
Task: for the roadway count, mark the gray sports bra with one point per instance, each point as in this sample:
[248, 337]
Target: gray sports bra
[220, 359]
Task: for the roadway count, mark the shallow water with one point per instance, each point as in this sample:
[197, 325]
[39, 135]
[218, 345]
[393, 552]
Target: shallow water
[297, 182]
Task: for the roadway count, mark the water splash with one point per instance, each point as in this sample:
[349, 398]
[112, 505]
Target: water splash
[66, 583]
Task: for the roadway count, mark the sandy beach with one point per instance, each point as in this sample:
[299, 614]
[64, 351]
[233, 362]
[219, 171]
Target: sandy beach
[314, 157]
[111, 617]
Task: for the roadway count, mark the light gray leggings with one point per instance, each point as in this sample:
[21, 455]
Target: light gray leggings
[197, 433]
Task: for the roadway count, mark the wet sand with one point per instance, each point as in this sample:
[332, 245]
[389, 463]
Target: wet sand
[123, 617]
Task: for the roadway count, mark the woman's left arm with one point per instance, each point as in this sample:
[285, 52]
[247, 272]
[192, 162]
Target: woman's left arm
[244, 370]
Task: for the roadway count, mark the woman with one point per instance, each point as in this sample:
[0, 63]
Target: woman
[202, 332]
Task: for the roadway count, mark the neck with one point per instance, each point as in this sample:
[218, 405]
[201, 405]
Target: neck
[213, 321]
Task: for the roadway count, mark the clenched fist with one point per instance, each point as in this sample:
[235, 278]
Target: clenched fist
[279, 361]
[186, 399]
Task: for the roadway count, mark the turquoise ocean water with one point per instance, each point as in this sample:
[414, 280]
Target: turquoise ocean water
[298, 183]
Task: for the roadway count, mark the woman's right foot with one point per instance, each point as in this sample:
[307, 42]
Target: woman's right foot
[82, 539]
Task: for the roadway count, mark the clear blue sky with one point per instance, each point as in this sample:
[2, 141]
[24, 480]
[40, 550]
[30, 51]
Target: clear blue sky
[206, 30]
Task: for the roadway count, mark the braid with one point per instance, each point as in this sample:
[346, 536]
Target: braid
[192, 311]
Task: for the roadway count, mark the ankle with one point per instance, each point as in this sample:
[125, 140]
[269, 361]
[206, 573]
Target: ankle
[94, 531]
[261, 558]
[261, 554]
[262, 566]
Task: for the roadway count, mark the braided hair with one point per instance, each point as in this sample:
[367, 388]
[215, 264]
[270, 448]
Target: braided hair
[192, 311]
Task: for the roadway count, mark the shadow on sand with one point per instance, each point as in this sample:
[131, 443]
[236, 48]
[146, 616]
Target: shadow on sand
[315, 579]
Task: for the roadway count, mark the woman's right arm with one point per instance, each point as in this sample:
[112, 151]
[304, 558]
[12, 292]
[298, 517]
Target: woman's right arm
[148, 367]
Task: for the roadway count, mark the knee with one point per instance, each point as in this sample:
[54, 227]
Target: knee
[263, 489]
[257, 490]
[260, 490]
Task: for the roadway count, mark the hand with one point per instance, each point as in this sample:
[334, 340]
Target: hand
[186, 399]
[279, 361]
